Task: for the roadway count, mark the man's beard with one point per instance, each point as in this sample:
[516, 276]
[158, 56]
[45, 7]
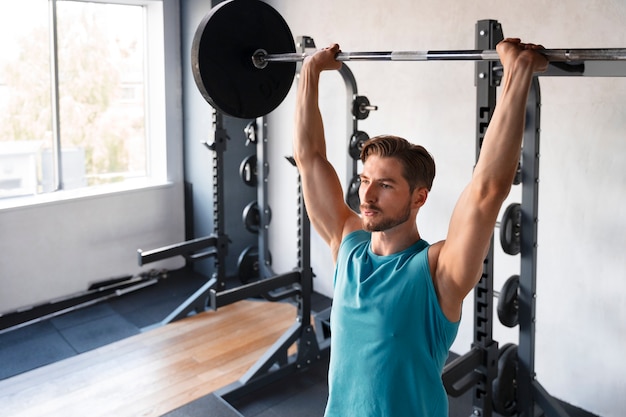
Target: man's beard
[384, 223]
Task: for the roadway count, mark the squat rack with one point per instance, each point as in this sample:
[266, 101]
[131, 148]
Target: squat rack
[313, 342]
[478, 368]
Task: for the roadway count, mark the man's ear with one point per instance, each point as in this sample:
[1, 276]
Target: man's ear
[420, 195]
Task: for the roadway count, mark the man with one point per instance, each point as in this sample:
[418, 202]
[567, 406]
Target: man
[397, 300]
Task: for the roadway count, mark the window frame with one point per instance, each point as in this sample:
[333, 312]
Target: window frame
[158, 172]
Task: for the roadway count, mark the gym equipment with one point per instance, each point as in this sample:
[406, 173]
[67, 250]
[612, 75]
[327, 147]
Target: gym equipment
[248, 264]
[356, 144]
[244, 58]
[361, 107]
[96, 293]
[298, 284]
[352, 195]
[250, 132]
[508, 309]
[221, 61]
[251, 217]
[504, 386]
[247, 171]
[248, 267]
[529, 394]
[261, 58]
[510, 229]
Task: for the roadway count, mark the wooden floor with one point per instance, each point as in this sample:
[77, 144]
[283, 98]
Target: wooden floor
[154, 372]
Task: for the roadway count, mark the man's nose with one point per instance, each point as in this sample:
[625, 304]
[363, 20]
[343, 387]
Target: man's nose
[368, 193]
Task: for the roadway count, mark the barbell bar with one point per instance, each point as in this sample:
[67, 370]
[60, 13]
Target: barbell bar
[261, 57]
[229, 57]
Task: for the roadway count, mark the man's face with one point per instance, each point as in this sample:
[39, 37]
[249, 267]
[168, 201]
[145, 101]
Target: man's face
[384, 194]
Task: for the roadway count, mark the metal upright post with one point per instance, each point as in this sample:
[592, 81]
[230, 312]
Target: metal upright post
[488, 34]
[260, 128]
[352, 122]
[219, 147]
[530, 393]
[528, 254]
[304, 235]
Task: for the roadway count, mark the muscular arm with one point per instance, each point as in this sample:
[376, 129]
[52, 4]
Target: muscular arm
[457, 262]
[323, 195]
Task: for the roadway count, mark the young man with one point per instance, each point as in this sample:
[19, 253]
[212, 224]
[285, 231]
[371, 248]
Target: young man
[397, 300]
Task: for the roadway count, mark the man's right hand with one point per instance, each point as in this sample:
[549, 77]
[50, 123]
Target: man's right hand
[512, 52]
[324, 59]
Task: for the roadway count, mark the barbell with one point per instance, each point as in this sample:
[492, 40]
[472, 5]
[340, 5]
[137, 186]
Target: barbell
[243, 57]
[261, 58]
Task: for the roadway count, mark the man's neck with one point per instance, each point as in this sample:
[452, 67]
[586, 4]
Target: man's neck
[394, 240]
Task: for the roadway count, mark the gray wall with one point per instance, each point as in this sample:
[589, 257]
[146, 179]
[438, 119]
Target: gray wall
[581, 308]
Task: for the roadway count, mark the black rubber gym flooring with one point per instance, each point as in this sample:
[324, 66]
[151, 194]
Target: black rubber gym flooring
[303, 394]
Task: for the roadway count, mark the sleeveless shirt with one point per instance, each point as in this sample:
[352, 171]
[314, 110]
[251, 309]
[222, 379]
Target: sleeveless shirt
[389, 337]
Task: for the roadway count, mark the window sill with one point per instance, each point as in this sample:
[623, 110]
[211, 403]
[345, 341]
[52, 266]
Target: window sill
[66, 196]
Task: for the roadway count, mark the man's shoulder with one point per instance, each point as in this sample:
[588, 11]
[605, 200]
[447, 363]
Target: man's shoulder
[356, 236]
[353, 228]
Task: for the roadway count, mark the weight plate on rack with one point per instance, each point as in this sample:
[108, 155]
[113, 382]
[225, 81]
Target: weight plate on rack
[352, 196]
[511, 228]
[356, 144]
[504, 387]
[508, 307]
[251, 217]
[248, 172]
[248, 264]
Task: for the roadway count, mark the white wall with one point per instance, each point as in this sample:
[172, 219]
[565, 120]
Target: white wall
[581, 307]
[55, 249]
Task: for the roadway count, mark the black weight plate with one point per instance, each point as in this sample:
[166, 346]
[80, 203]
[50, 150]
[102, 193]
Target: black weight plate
[248, 172]
[358, 107]
[221, 58]
[251, 217]
[356, 144]
[248, 264]
[510, 229]
[352, 196]
[504, 387]
[508, 307]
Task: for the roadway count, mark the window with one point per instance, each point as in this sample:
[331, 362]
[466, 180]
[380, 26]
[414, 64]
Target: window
[76, 93]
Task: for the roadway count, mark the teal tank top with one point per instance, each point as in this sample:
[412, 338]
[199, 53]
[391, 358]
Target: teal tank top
[389, 337]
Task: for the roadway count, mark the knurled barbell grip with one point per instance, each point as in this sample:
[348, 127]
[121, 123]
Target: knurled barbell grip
[260, 58]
